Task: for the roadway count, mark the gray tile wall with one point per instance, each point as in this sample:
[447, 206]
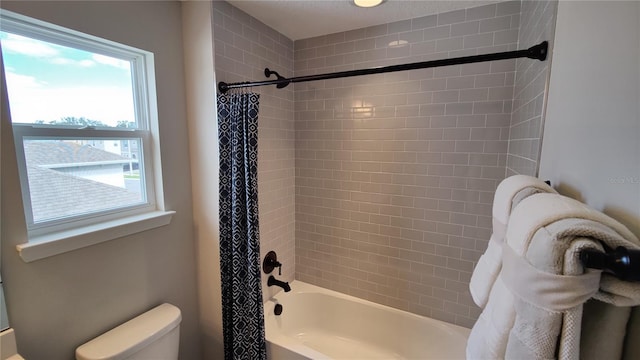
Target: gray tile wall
[537, 23]
[395, 173]
[243, 48]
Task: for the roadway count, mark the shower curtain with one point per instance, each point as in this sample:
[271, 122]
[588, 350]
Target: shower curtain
[242, 312]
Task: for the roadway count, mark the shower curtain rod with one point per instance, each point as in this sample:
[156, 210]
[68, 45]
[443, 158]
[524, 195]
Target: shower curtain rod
[538, 52]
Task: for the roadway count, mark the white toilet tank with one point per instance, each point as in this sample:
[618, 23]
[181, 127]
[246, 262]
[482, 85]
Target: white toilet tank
[152, 335]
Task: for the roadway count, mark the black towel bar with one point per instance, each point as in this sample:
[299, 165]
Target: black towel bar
[621, 262]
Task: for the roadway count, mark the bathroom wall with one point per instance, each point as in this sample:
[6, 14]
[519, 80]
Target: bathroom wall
[591, 147]
[58, 303]
[200, 85]
[395, 173]
[244, 47]
[537, 24]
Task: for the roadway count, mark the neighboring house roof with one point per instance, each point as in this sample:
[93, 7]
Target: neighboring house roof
[62, 154]
[55, 194]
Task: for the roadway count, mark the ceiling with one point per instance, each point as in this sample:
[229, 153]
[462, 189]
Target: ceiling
[301, 19]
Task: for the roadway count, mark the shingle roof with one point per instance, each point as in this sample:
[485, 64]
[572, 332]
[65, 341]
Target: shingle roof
[59, 152]
[55, 194]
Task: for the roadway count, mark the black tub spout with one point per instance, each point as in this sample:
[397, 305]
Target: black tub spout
[273, 281]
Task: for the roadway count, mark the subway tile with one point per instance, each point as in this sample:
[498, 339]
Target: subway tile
[505, 37]
[488, 107]
[384, 41]
[474, 94]
[481, 12]
[399, 26]
[423, 48]
[439, 32]
[495, 24]
[354, 34]
[343, 48]
[485, 134]
[508, 8]
[364, 44]
[459, 108]
[476, 69]
[457, 134]
[442, 146]
[447, 71]
[446, 96]
[424, 22]
[462, 82]
[378, 30]
[450, 44]
[399, 52]
[454, 308]
[500, 93]
[411, 37]
[465, 28]
[451, 17]
[478, 40]
[375, 54]
[490, 80]
[442, 122]
[335, 38]
[432, 109]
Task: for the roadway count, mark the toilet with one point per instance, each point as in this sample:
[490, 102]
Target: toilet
[152, 335]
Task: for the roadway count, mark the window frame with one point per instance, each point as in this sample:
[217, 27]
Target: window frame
[146, 119]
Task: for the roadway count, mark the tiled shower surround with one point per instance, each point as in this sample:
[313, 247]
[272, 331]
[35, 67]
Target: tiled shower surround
[537, 23]
[394, 173]
[243, 48]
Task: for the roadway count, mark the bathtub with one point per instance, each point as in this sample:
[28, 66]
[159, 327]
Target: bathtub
[317, 323]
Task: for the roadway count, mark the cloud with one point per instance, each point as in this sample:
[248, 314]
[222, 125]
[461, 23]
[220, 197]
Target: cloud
[40, 49]
[26, 46]
[67, 61]
[18, 81]
[39, 102]
[107, 60]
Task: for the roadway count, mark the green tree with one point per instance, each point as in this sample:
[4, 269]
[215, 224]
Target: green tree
[81, 121]
[126, 124]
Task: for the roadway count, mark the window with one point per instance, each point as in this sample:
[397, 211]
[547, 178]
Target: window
[82, 111]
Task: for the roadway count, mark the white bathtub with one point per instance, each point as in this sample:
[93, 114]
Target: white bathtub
[317, 323]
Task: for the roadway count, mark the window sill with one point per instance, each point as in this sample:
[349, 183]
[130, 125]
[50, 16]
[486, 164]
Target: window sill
[44, 246]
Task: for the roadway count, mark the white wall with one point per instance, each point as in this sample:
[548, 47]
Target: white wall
[57, 303]
[203, 142]
[591, 143]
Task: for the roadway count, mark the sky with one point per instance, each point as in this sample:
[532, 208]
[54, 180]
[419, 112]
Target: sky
[46, 81]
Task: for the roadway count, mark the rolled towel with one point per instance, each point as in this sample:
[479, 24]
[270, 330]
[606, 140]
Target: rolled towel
[547, 232]
[536, 305]
[509, 193]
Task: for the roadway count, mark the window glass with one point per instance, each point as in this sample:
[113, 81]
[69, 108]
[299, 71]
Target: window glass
[69, 177]
[60, 85]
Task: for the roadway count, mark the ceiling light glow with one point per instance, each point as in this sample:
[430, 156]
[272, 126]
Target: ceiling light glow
[367, 3]
[398, 43]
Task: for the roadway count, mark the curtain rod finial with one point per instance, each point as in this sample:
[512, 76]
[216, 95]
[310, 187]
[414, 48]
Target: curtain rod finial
[223, 87]
[539, 52]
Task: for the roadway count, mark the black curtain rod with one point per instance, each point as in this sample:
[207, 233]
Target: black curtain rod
[538, 52]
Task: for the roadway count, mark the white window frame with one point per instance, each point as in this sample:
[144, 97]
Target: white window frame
[52, 237]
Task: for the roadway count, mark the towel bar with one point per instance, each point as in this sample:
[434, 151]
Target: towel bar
[621, 262]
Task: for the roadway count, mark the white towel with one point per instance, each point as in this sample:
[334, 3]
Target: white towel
[509, 193]
[535, 308]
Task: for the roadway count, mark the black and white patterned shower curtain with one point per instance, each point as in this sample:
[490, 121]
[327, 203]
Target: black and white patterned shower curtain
[242, 312]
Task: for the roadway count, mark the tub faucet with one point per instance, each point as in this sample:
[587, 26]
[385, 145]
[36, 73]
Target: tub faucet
[273, 281]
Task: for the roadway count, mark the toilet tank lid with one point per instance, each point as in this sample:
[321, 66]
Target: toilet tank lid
[128, 338]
